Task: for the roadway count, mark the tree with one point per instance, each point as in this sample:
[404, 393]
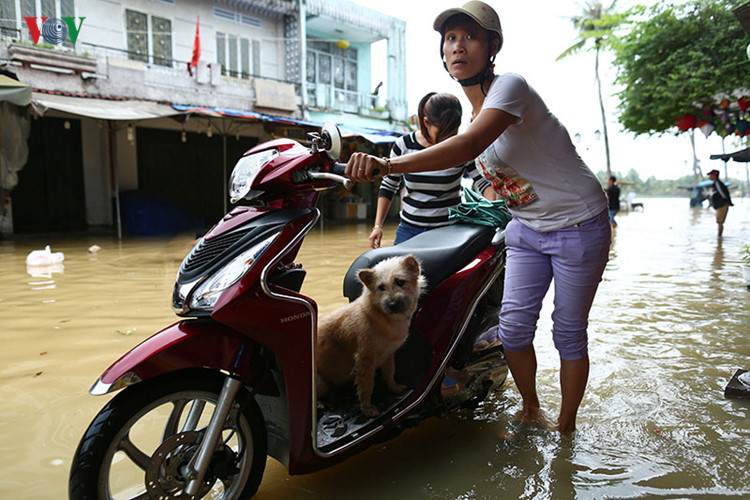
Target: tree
[676, 62]
[596, 24]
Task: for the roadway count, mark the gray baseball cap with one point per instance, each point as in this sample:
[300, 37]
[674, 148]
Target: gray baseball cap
[484, 15]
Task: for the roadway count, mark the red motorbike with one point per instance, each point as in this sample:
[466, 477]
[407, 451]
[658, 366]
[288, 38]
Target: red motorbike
[207, 399]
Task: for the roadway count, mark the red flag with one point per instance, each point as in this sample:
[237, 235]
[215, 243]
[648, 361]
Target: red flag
[196, 44]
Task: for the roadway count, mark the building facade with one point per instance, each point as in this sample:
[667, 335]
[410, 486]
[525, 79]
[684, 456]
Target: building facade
[141, 107]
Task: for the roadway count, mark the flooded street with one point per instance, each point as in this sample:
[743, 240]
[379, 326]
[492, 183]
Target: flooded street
[670, 325]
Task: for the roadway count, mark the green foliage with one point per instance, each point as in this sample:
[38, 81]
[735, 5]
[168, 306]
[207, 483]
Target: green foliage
[596, 24]
[596, 27]
[39, 45]
[675, 56]
[745, 254]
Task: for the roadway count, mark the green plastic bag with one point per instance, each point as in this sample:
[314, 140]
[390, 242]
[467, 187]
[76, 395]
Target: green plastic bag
[479, 210]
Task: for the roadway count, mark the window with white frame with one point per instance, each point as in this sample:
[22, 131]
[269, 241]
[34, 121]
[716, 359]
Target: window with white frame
[239, 57]
[12, 13]
[332, 73]
[8, 19]
[138, 28]
[161, 40]
[237, 17]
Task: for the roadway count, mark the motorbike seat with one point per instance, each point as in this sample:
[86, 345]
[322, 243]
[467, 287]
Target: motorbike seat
[441, 252]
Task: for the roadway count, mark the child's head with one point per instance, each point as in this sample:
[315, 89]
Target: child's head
[439, 116]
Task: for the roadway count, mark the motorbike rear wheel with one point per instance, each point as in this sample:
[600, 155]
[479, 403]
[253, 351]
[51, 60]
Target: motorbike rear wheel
[141, 442]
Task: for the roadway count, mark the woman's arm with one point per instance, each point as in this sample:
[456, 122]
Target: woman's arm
[376, 235]
[485, 128]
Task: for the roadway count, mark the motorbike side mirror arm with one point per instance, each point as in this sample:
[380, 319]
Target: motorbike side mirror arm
[314, 139]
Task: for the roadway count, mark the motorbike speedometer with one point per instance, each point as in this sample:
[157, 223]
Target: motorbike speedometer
[244, 173]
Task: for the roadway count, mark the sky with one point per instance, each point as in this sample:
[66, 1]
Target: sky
[535, 34]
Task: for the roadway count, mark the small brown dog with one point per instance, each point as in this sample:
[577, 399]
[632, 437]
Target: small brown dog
[359, 338]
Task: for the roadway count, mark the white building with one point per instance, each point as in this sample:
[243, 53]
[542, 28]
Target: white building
[122, 118]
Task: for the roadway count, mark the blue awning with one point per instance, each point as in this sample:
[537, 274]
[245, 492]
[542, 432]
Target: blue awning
[374, 136]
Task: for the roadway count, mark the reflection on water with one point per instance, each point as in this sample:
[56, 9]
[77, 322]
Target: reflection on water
[670, 325]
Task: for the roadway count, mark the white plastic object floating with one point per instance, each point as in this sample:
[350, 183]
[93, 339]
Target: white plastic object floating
[44, 257]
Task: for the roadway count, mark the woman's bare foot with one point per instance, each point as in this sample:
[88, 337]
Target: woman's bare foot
[534, 417]
[566, 432]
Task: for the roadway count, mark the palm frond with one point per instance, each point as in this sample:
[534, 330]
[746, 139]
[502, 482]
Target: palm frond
[573, 49]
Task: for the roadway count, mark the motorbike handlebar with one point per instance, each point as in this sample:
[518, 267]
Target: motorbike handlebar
[335, 173]
[339, 168]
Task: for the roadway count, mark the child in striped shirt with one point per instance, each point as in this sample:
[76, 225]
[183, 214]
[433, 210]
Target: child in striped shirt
[428, 195]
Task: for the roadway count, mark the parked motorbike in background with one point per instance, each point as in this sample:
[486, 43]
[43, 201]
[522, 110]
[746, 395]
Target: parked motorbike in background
[204, 401]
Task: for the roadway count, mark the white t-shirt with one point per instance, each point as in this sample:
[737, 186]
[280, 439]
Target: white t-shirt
[533, 163]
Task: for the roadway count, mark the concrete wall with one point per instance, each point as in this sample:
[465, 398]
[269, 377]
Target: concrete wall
[96, 172]
[105, 26]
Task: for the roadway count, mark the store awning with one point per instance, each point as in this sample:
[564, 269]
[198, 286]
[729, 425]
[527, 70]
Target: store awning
[238, 113]
[742, 155]
[129, 110]
[102, 109]
[14, 91]
[373, 135]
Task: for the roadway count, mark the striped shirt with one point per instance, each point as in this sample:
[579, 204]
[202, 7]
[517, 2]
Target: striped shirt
[428, 195]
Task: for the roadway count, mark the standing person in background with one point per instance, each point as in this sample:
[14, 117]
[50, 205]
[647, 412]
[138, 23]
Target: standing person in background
[560, 226]
[613, 195]
[720, 200]
[429, 195]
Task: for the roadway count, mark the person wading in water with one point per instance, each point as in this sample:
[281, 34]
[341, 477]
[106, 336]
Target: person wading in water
[560, 225]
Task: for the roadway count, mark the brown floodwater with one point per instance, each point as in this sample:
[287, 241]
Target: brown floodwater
[670, 325]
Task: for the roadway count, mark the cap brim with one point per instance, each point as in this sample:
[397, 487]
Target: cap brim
[443, 16]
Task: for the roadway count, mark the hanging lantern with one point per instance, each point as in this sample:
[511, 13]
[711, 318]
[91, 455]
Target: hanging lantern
[707, 128]
[342, 44]
[686, 122]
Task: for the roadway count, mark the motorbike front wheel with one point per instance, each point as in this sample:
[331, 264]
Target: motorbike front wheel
[141, 443]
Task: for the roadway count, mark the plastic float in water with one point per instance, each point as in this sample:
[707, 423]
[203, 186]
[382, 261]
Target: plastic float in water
[44, 257]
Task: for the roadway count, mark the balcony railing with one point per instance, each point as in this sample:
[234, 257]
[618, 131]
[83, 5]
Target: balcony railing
[322, 96]
[328, 97]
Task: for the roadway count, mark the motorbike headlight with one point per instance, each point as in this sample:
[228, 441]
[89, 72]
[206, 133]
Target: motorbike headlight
[244, 173]
[208, 292]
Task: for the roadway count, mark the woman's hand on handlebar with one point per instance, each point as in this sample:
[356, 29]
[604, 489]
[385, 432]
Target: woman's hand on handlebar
[363, 167]
[376, 236]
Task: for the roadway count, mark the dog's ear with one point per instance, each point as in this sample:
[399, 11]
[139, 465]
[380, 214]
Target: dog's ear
[411, 264]
[366, 276]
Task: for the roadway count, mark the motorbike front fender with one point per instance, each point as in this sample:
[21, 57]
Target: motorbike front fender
[193, 343]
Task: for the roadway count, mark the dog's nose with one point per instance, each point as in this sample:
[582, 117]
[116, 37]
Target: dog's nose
[395, 306]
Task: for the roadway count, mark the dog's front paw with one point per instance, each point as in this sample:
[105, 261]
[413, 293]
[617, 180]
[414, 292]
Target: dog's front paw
[396, 388]
[369, 410]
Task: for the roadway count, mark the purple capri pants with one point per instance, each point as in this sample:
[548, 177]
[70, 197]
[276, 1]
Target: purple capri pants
[576, 257]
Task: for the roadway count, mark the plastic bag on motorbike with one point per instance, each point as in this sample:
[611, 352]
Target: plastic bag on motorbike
[479, 210]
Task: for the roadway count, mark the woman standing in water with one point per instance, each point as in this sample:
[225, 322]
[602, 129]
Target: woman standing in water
[429, 195]
[560, 225]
